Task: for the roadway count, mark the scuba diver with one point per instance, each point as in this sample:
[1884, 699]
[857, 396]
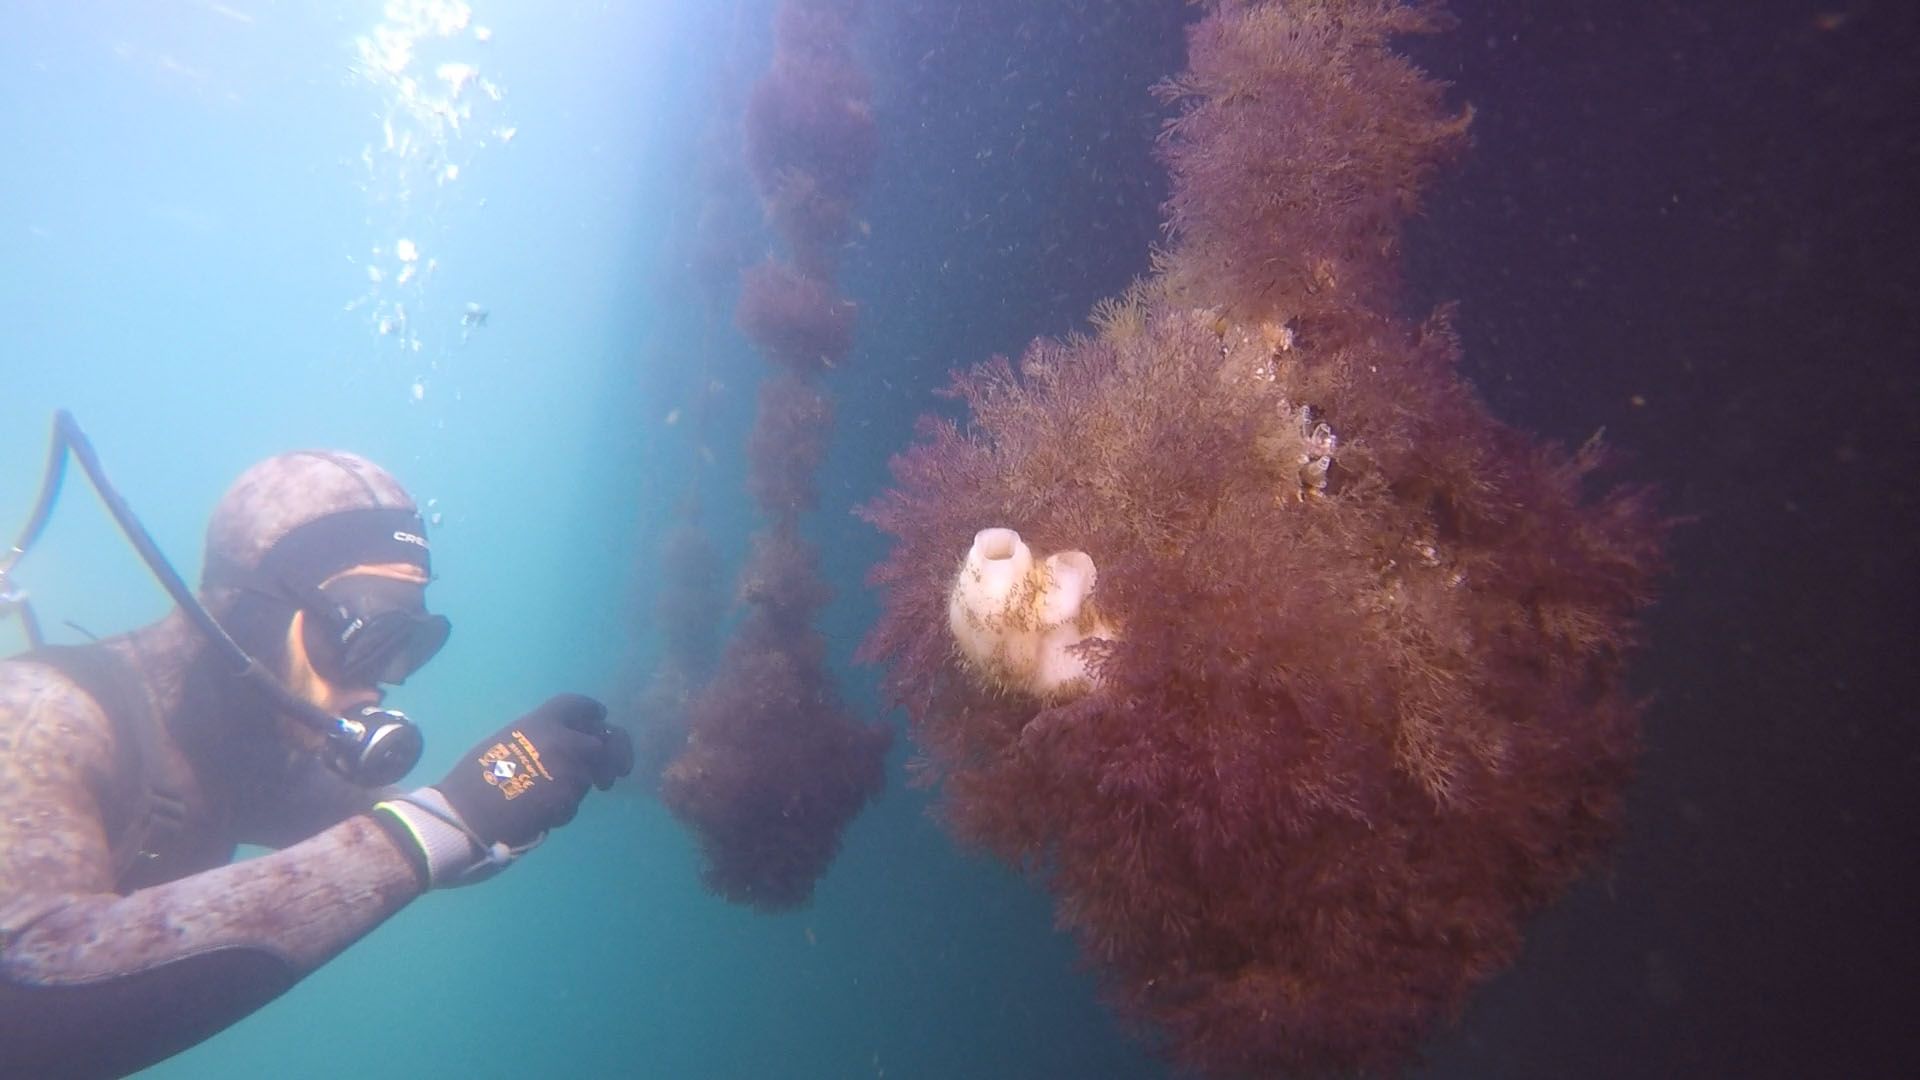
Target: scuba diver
[132, 768]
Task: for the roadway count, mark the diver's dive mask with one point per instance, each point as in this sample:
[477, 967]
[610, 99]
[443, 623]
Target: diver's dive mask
[367, 629]
[360, 626]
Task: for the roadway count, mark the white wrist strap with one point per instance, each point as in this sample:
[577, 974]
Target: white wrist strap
[455, 854]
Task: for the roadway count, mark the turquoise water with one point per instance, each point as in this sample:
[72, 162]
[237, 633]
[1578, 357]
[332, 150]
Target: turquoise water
[193, 197]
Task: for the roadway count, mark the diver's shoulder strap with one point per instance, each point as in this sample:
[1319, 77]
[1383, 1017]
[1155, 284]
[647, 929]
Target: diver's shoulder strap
[139, 814]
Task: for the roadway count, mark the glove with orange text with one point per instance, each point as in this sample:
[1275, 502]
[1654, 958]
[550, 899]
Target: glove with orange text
[503, 797]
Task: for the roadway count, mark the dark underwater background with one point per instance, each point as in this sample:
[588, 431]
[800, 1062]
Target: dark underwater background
[1693, 225]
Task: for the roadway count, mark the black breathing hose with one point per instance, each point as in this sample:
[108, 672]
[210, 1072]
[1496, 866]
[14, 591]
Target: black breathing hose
[67, 437]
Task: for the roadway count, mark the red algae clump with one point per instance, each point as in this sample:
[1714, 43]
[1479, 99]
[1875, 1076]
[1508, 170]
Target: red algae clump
[1358, 707]
[773, 765]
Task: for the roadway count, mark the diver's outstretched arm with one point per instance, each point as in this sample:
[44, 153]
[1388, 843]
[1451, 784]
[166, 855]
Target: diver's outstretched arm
[97, 984]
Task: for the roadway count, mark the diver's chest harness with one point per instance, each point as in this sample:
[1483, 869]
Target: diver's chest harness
[145, 810]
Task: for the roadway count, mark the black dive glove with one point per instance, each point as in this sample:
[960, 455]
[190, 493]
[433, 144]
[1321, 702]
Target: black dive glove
[502, 797]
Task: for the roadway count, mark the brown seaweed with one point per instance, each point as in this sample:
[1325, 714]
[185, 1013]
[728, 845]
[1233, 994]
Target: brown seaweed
[1365, 710]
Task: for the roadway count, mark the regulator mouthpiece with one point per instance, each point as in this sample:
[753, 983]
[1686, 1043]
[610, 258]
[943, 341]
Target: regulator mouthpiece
[373, 747]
